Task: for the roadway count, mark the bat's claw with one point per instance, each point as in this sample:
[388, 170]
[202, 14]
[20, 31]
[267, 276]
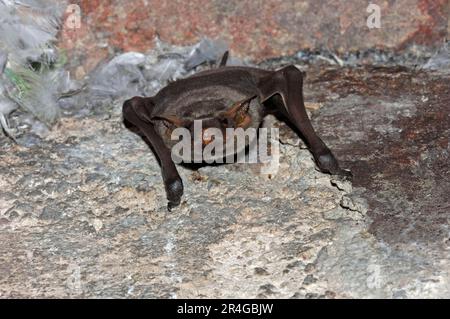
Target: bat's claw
[174, 191]
[172, 205]
[344, 175]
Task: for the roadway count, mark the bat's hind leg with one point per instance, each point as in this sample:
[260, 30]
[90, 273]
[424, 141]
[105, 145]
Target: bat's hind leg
[288, 84]
[136, 112]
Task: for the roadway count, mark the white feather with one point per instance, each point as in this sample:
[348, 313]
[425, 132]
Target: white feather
[28, 30]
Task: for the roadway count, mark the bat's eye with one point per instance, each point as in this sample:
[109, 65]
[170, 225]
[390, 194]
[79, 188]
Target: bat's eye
[225, 122]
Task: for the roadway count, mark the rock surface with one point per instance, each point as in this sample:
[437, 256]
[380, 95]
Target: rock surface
[83, 210]
[256, 29]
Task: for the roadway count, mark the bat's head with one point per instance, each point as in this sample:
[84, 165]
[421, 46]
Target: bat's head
[201, 131]
[210, 133]
[204, 129]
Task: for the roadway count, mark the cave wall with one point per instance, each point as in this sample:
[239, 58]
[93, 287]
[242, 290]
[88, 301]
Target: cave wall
[255, 29]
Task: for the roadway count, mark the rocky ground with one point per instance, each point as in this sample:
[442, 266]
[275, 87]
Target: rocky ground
[83, 210]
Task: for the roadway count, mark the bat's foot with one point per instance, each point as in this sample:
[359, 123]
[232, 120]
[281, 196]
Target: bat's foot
[174, 190]
[172, 205]
[327, 163]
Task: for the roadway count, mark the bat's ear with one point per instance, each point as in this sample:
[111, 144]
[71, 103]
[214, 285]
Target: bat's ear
[171, 120]
[238, 113]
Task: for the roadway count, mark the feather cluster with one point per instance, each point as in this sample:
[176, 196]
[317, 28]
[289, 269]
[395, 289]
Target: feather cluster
[30, 77]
